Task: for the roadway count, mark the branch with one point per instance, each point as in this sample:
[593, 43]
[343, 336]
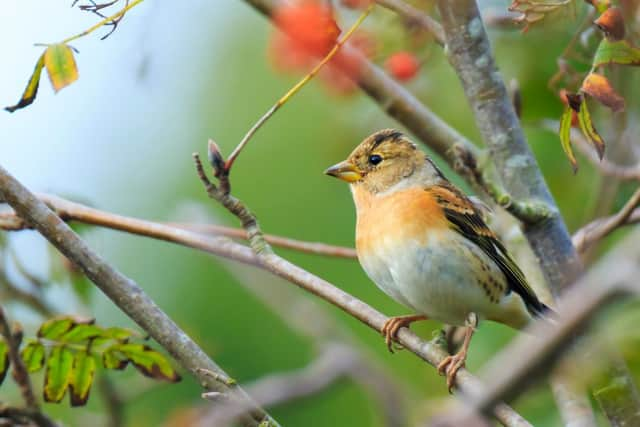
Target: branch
[308, 318]
[619, 398]
[336, 361]
[315, 248]
[105, 21]
[22, 416]
[73, 211]
[124, 292]
[470, 54]
[21, 376]
[415, 16]
[600, 228]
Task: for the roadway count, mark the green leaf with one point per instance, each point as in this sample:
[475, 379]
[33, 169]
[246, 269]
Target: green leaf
[4, 359]
[61, 65]
[119, 334]
[53, 329]
[84, 368]
[620, 52]
[82, 332]
[565, 137]
[111, 359]
[33, 356]
[30, 92]
[149, 362]
[58, 373]
[586, 125]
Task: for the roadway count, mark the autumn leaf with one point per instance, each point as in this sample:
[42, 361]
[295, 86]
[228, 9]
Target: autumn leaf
[598, 87]
[111, 359]
[61, 66]
[30, 92]
[611, 23]
[565, 137]
[149, 362]
[84, 368]
[620, 52]
[58, 373]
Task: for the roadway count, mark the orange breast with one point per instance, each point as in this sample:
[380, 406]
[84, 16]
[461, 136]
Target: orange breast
[405, 214]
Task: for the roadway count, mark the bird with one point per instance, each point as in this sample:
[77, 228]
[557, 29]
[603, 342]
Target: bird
[424, 243]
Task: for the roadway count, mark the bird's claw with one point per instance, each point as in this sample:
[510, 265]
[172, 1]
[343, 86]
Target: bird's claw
[392, 326]
[450, 367]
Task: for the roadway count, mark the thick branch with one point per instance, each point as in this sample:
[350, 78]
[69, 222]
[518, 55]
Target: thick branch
[470, 54]
[124, 292]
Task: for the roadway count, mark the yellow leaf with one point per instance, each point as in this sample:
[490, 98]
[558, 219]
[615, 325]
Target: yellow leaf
[586, 125]
[29, 94]
[565, 137]
[60, 65]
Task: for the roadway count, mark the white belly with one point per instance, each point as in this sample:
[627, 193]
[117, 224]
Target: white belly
[442, 282]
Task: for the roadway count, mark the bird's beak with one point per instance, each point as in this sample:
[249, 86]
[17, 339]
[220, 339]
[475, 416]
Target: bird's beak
[345, 171]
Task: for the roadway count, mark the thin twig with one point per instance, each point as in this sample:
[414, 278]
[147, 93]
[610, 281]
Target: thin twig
[236, 152]
[600, 228]
[335, 361]
[415, 15]
[315, 248]
[20, 374]
[124, 292]
[73, 211]
[108, 19]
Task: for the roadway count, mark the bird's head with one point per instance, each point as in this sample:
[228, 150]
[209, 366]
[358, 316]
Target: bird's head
[383, 160]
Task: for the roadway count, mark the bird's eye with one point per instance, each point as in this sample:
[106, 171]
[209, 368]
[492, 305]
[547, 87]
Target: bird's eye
[374, 159]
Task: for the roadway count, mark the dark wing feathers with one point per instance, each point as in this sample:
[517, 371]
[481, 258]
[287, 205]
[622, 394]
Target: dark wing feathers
[467, 220]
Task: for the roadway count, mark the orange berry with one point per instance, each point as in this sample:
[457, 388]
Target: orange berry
[402, 65]
[309, 25]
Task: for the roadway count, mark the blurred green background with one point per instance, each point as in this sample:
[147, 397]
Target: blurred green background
[165, 82]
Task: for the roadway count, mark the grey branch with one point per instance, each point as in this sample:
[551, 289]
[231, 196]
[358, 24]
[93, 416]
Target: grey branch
[124, 292]
[600, 228]
[470, 54]
[336, 361]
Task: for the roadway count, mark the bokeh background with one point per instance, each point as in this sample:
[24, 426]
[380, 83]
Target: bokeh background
[174, 75]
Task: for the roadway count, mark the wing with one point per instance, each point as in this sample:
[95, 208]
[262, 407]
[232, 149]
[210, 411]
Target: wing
[467, 220]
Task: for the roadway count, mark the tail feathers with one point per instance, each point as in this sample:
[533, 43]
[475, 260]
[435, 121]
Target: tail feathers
[543, 311]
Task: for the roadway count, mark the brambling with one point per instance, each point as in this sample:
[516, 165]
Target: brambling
[426, 245]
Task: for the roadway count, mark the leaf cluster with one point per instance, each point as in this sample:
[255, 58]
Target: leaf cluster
[70, 350]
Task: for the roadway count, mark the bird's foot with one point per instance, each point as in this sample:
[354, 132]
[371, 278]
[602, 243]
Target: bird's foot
[391, 327]
[450, 366]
